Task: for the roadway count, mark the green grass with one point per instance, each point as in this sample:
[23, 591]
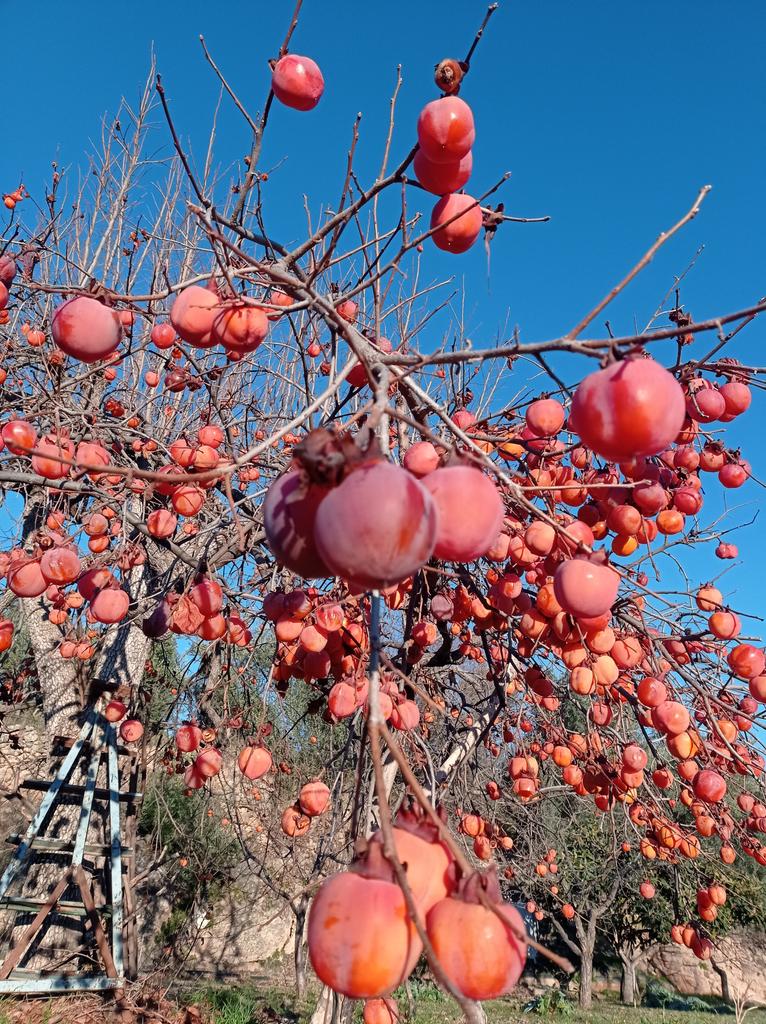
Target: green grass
[248, 1004]
[252, 1005]
[506, 1012]
[231, 1005]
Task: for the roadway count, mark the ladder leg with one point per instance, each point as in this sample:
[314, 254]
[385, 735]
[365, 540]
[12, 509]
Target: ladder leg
[108, 938]
[87, 898]
[48, 801]
[115, 854]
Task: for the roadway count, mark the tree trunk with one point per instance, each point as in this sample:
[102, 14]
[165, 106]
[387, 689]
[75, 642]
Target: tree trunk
[122, 662]
[586, 939]
[628, 982]
[723, 975]
[300, 947]
[59, 687]
[390, 771]
[465, 746]
[585, 997]
[329, 1007]
[58, 679]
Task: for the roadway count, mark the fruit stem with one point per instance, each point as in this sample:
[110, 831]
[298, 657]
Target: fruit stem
[472, 1011]
[457, 851]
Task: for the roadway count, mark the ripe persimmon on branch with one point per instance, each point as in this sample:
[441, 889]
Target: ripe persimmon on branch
[462, 581]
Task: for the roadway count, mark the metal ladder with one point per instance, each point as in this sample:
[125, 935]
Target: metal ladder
[99, 738]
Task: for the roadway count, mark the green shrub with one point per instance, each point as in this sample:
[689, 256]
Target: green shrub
[662, 997]
[552, 1003]
[203, 852]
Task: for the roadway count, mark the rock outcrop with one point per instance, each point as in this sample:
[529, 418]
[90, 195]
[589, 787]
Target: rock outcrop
[737, 969]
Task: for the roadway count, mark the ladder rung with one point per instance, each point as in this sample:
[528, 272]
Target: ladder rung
[27, 972]
[69, 908]
[22, 982]
[46, 845]
[71, 789]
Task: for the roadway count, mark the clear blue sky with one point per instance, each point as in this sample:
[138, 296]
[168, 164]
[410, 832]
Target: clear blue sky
[610, 116]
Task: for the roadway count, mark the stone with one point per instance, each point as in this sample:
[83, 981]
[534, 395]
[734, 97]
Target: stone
[741, 957]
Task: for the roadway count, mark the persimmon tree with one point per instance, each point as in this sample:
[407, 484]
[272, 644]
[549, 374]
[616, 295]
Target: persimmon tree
[257, 447]
[596, 895]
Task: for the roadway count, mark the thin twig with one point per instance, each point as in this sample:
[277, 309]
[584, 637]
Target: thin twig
[645, 259]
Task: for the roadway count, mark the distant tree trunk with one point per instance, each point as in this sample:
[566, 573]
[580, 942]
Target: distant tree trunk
[586, 935]
[723, 975]
[631, 953]
[465, 746]
[628, 983]
[300, 947]
[390, 771]
[585, 998]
